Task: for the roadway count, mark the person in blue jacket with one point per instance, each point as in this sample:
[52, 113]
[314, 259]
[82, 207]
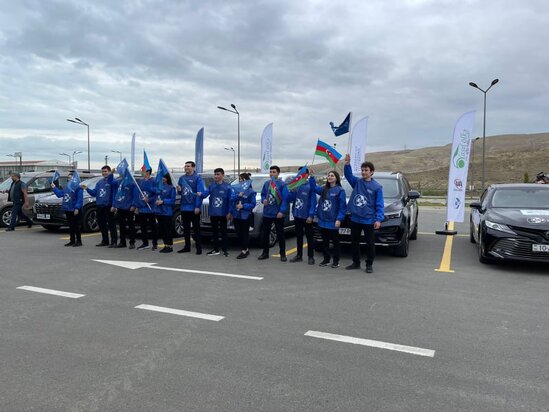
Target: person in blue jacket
[122, 207]
[367, 211]
[72, 206]
[242, 204]
[275, 206]
[304, 206]
[143, 202]
[330, 212]
[163, 209]
[188, 186]
[218, 209]
[104, 194]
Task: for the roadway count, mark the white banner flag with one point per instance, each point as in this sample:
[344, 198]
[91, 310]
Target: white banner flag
[132, 155]
[266, 158]
[358, 144]
[459, 164]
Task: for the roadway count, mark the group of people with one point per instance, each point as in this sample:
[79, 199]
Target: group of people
[152, 206]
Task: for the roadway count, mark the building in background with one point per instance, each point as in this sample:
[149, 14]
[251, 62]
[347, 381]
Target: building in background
[32, 166]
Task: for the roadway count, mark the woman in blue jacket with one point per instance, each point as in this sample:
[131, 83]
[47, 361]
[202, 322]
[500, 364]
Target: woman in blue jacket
[243, 201]
[330, 212]
[73, 197]
[165, 199]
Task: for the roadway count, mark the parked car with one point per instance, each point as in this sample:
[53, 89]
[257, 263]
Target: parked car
[38, 187]
[258, 180]
[401, 214]
[510, 222]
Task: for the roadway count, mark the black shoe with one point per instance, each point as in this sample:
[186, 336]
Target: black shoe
[102, 244]
[77, 244]
[29, 225]
[263, 256]
[283, 258]
[112, 245]
[69, 244]
[120, 246]
[166, 249]
[213, 252]
[325, 262]
[142, 246]
[185, 249]
[243, 255]
[198, 250]
[311, 261]
[10, 229]
[154, 247]
[132, 246]
[369, 269]
[335, 265]
[296, 258]
[353, 266]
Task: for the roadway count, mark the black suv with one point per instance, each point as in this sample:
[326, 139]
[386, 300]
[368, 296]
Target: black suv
[401, 214]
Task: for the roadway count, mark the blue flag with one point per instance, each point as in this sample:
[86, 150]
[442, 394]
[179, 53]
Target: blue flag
[55, 177]
[160, 173]
[74, 183]
[343, 127]
[187, 187]
[121, 168]
[242, 187]
[199, 151]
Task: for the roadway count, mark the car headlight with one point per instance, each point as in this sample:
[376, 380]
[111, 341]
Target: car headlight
[394, 215]
[499, 227]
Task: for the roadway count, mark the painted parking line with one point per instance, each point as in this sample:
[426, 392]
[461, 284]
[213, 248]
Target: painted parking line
[180, 312]
[51, 292]
[86, 235]
[434, 234]
[372, 343]
[290, 251]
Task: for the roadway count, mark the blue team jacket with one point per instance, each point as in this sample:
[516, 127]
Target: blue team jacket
[248, 200]
[220, 198]
[272, 209]
[304, 199]
[103, 191]
[332, 208]
[366, 202]
[148, 187]
[123, 198]
[168, 196]
[72, 199]
[190, 201]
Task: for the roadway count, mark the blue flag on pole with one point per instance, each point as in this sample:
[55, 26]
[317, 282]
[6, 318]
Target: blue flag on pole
[74, 183]
[122, 166]
[199, 151]
[242, 187]
[55, 177]
[160, 173]
[343, 127]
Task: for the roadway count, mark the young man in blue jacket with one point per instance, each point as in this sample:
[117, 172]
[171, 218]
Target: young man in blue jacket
[72, 206]
[143, 203]
[188, 186]
[165, 199]
[274, 196]
[367, 211]
[243, 202]
[104, 194]
[218, 209]
[304, 200]
[123, 208]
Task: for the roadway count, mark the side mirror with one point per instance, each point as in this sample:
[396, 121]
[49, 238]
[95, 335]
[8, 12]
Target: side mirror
[412, 194]
[30, 189]
[475, 205]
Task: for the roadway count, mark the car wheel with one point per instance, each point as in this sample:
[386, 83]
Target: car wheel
[401, 250]
[89, 223]
[177, 224]
[51, 228]
[5, 218]
[413, 235]
[471, 234]
[482, 258]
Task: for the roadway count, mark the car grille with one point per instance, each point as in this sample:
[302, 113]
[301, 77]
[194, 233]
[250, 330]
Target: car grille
[45, 208]
[517, 248]
[536, 235]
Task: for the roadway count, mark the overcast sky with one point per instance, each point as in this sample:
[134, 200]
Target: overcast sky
[160, 69]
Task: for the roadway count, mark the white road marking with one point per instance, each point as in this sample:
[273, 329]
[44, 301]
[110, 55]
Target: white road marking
[139, 265]
[373, 343]
[180, 312]
[51, 292]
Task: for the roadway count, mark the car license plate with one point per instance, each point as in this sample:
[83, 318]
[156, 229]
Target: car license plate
[43, 216]
[540, 248]
[344, 230]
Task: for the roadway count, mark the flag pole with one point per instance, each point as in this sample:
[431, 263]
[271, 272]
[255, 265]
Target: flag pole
[350, 129]
[140, 191]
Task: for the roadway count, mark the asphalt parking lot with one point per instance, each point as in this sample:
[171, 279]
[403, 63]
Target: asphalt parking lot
[276, 337]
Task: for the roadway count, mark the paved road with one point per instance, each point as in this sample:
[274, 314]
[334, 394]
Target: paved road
[478, 338]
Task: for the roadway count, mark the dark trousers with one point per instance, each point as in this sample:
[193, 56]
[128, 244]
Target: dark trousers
[17, 212]
[166, 229]
[187, 218]
[75, 223]
[266, 230]
[242, 228]
[107, 224]
[301, 226]
[356, 233]
[127, 225]
[219, 227]
[333, 236]
[148, 221]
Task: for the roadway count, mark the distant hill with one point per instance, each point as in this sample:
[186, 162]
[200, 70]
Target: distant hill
[508, 158]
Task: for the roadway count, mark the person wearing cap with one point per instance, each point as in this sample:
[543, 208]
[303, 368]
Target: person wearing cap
[17, 194]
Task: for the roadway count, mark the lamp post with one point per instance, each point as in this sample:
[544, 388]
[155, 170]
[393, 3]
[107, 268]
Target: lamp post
[119, 153]
[73, 154]
[80, 122]
[230, 149]
[484, 128]
[235, 111]
[69, 156]
[473, 165]
[18, 155]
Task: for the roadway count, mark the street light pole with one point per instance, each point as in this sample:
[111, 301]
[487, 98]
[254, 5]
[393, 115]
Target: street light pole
[73, 154]
[234, 160]
[484, 128]
[80, 122]
[119, 153]
[473, 165]
[235, 111]
[18, 155]
[69, 156]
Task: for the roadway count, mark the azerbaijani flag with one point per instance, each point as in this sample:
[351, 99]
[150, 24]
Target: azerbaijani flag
[146, 165]
[273, 190]
[325, 150]
[299, 179]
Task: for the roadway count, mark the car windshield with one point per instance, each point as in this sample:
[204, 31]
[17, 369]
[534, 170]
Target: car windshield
[390, 187]
[533, 197]
[5, 185]
[257, 182]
